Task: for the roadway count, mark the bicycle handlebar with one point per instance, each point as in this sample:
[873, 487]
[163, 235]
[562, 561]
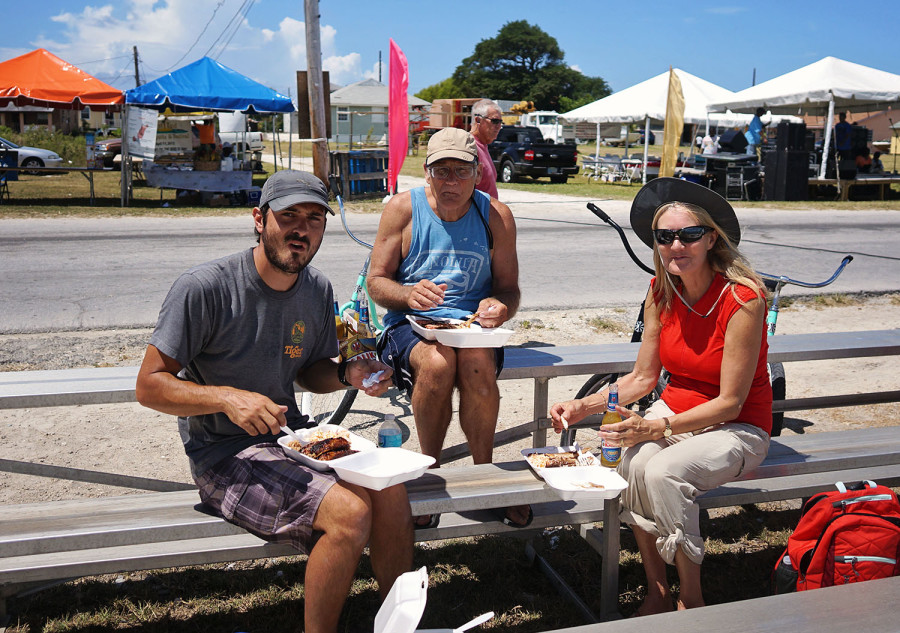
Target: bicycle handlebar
[781, 280]
[600, 213]
[340, 202]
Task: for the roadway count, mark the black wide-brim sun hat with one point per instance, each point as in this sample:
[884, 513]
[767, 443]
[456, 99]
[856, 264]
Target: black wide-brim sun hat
[660, 191]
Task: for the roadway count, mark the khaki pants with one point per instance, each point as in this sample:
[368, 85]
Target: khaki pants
[666, 476]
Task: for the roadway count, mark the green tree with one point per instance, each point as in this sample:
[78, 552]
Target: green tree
[524, 62]
[446, 89]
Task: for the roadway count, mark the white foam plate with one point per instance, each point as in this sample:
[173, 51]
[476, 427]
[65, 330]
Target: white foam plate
[578, 482]
[472, 336]
[382, 467]
[357, 442]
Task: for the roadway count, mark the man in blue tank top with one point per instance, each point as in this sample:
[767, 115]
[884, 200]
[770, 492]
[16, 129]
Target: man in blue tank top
[447, 250]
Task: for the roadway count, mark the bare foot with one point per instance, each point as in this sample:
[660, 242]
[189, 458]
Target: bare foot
[692, 604]
[653, 605]
[519, 516]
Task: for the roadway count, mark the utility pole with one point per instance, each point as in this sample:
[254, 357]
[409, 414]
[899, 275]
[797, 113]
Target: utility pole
[316, 96]
[137, 74]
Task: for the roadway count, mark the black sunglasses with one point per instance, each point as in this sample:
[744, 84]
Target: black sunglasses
[687, 235]
[494, 121]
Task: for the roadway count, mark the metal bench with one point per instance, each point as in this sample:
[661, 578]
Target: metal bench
[826, 610]
[58, 540]
[51, 541]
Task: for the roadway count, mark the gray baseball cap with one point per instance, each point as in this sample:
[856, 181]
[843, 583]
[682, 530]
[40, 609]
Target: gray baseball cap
[287, 188]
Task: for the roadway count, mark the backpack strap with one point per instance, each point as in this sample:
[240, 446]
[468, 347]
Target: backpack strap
[841, 487]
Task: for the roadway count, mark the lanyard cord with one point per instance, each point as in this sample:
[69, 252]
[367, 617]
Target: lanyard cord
[702, 316]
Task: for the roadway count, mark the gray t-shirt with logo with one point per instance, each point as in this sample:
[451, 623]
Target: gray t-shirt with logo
[225, 326]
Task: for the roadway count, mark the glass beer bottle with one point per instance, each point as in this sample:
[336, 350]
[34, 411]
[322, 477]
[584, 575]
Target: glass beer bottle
[611, 451]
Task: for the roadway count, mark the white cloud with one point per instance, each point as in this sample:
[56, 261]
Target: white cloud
[172, 33]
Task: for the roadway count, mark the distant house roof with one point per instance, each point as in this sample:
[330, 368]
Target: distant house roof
[368, 92]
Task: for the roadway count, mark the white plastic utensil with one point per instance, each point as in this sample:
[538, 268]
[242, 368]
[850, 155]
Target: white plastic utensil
[292, 434]
[565, 422]
[481, 619]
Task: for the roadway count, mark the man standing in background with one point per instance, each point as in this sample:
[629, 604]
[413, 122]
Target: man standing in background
[755, 134]
[486, 124]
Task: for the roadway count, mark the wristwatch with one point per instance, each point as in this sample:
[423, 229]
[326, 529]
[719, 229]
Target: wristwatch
[342, 373]
[668, 431]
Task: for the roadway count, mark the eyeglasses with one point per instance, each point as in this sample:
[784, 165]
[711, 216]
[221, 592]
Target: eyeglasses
[493, 121]
[462, 172]
[687, 235]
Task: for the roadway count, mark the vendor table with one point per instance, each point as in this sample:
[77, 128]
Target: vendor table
[214, 181]
[883, 180]
[87, 172]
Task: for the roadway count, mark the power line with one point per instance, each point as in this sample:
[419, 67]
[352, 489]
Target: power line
[233, 25]
[218, 6]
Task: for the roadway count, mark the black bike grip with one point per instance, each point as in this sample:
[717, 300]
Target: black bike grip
[600, 213]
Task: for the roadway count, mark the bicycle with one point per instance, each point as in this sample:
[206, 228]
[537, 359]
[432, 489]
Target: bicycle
[333, 407]
[774, 284]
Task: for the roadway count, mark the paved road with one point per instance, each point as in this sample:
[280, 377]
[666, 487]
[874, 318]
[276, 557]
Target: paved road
[114, 272]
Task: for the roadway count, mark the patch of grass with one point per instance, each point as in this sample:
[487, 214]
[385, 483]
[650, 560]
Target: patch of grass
[602, 324]
[895, 299]
[820, 302]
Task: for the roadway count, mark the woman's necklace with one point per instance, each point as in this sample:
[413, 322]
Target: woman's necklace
[686, 305]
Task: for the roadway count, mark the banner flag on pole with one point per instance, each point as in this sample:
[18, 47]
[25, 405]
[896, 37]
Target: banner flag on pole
[398, 115]
[674, 126]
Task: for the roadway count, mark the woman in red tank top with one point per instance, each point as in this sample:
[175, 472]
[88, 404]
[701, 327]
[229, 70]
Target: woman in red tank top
[704, 321]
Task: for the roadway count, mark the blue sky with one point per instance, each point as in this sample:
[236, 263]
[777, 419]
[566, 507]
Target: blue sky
[623, 42]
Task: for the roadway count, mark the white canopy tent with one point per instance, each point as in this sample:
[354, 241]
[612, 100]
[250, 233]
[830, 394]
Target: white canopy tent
[646, 101]
[819, 87]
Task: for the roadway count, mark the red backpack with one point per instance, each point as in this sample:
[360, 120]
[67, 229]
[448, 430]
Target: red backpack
[843, 536]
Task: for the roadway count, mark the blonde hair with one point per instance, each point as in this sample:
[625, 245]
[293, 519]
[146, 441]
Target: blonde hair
[724, 257]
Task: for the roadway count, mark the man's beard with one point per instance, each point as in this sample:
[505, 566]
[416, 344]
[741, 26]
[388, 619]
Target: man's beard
[286, 261]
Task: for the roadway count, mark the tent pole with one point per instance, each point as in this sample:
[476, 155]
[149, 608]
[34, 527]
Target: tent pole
[597, 142]
[125, 165]
[646, 149]
[829, 123]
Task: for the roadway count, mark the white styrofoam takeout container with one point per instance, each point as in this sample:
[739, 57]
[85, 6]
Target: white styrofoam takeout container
[472, 336]
[402, 610]
[357, 443]
[578, 482]
[381, 468]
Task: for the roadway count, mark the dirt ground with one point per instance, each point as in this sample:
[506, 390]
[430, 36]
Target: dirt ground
[132, 440]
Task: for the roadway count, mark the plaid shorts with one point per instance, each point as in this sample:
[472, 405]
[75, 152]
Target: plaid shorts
[396, 344]
[268, 494]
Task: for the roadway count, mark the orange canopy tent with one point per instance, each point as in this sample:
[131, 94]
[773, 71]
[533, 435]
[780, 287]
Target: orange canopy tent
[41, 78]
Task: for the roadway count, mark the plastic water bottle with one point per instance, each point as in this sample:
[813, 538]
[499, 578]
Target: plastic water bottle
[389, 433]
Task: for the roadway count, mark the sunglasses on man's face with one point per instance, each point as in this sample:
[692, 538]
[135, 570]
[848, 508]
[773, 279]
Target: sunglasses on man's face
[493, 121]
[687, 235]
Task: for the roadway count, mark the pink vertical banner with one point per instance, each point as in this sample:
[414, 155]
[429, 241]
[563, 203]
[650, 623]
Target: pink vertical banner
[398, 115]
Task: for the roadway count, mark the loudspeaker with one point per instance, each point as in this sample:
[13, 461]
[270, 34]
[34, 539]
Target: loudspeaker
[733, 141]
[787, 175]
[790, 136]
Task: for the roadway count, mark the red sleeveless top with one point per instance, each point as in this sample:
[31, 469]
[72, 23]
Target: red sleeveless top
[691, 349]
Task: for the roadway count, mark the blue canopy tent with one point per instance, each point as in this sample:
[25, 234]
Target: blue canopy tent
[204, 85]
[207, 85]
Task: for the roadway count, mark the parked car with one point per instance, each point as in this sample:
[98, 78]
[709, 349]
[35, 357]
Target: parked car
[32, 156]
[107, 150]
[521, 151]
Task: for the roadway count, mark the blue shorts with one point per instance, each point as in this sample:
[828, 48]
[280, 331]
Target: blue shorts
[394, 347]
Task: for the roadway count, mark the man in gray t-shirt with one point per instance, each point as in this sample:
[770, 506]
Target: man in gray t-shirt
[233, 336]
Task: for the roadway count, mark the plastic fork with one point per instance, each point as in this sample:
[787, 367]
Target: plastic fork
[585, 458]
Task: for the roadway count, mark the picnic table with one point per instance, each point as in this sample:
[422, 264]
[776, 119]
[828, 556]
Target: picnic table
[87, 172]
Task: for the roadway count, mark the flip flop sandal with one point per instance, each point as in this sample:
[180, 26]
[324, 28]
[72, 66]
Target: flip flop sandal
[433, 522]
[501, 515]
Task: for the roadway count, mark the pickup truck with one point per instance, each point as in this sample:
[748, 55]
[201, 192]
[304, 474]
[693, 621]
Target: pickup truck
[252, 141]
[522, 151]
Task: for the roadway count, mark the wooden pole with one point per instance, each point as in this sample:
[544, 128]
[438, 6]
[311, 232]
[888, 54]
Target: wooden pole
[316, 96]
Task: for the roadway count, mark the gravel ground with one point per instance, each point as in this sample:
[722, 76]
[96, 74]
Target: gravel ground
[129, 439]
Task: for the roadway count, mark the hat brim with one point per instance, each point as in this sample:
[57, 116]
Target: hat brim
[659, 191]
[282, 203]
[455, 154]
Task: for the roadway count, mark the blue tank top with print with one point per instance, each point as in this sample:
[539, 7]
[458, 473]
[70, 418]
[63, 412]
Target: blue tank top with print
[456, 253]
